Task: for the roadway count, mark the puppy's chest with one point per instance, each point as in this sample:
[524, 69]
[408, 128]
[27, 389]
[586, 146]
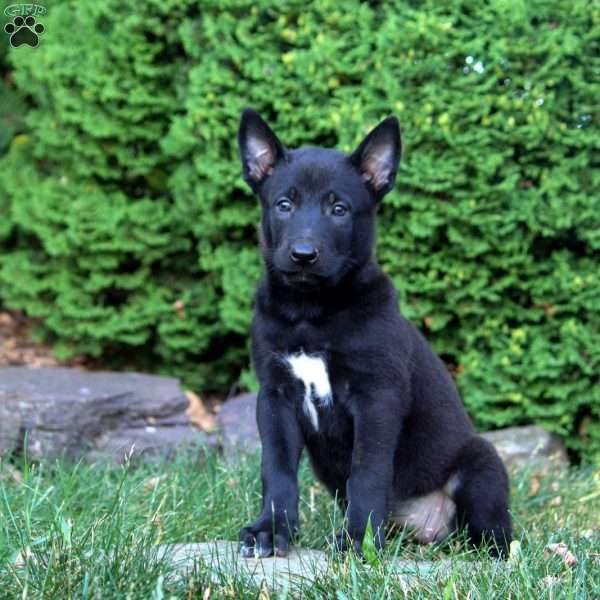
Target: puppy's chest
[323, 395]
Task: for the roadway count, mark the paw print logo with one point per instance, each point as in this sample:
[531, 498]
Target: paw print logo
[24, 31]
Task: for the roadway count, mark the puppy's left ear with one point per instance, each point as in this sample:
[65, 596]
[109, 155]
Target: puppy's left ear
[378, 156]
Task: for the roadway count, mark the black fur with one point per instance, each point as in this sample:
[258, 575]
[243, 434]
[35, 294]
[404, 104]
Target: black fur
[396, 428]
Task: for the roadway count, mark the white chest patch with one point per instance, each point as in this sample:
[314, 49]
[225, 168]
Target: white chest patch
[312, 371]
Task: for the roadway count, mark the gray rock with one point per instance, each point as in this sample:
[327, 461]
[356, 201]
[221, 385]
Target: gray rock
[223, 558]
[54, 412]
[300, 567]
[236, 422]
[531, 446]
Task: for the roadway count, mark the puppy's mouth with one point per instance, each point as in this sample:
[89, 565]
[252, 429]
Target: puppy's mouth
[301, 278]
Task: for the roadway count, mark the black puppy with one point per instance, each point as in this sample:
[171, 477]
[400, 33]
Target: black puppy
[342, 372]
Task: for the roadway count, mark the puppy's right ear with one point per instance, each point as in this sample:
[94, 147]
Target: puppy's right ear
[260, 150]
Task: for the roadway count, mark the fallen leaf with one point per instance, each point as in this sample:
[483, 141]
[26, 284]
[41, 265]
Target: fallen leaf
[179, 308]
[21, 558]
[8, 471]
[534, 487]
[152, 483]
[549, 310]
[514, 552]
[556, 501]
[561, 549]
[198, 414]
[17, 347]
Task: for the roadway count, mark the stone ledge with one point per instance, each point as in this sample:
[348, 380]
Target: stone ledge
[58, 412]
[301, 566]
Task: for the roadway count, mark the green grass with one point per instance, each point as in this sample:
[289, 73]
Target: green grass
[94, 533]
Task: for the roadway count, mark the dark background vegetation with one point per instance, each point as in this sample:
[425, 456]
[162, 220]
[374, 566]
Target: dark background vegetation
[127, 232]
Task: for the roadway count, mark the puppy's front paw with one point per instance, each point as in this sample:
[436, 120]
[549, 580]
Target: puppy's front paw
[260, 542]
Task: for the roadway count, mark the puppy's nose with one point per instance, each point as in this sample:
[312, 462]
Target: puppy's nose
[304, 253]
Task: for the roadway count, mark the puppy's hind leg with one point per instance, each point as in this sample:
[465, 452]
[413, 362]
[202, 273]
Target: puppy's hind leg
[482, 496]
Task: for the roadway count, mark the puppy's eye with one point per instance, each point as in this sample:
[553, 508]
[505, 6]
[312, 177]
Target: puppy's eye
[339, 210]
[284, 205]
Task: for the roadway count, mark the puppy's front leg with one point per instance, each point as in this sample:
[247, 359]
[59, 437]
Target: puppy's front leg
[368, 489]
[282, 445]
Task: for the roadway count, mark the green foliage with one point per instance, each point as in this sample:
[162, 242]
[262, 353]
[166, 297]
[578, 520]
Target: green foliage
[136, 235]
[368, 546]
[11, 105]
[11, 115]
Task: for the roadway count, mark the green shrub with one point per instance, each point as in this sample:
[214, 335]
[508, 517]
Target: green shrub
[11, 116]
[104, 254]
[136, 235]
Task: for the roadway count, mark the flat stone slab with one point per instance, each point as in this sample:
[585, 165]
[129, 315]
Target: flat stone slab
[300, 567]
[224, 557]
[60, 412]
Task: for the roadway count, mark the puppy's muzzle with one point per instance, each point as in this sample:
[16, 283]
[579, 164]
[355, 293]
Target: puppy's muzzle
[304, 253]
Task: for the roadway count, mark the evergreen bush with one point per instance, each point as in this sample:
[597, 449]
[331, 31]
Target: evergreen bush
[11, 114]
[135, 237]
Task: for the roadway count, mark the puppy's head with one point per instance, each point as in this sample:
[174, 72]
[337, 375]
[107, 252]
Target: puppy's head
[318, 205]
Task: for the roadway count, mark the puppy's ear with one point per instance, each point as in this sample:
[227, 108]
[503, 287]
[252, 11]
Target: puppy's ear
[260, 150]
[378, 156]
